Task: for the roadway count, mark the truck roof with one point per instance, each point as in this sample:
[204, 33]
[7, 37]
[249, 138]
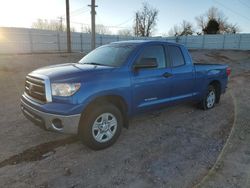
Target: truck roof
[144, 42]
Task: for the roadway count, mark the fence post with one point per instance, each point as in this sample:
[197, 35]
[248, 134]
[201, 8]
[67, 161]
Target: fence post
[203, 42]
[31, 42]
[239, 45]
[100, 40]
[81, 42]
[58, 42]
[177, 39]
[224, 38]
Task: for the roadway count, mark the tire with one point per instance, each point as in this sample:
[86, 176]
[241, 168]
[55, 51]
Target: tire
[210, 98]
[100, 126]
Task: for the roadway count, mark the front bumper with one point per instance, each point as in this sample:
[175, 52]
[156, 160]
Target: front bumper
[68, 124]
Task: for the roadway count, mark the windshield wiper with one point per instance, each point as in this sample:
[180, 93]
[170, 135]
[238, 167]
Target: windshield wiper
[93, 63]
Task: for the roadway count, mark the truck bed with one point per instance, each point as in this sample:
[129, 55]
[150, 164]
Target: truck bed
[209, 66]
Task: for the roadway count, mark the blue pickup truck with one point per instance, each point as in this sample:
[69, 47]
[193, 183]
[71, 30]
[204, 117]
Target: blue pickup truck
[95, 97]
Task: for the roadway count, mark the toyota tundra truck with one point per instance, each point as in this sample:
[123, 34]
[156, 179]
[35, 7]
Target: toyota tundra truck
[95, 97]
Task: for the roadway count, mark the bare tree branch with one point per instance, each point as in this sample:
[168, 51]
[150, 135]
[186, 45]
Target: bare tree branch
[125, 32]
[218, 16]
[185, 28]
[54, 25]
[100, 29]
[145, 21]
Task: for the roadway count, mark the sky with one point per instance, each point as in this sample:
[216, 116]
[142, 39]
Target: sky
[119, 14]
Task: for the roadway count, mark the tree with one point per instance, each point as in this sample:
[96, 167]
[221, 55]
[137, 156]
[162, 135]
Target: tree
[232, 28]
[55, 25]
[125, 32]
[175, 31]
[218, 16]
[103, 30]
[145, 20]
[99, 29]
[201, 22]
[213, 27]
[48, 25]
[186, 28]
[86, 29]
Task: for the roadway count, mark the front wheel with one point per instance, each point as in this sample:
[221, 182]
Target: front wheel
[210, 99]
[101, 126]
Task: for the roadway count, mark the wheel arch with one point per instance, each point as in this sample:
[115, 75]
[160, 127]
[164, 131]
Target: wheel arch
[116, 100]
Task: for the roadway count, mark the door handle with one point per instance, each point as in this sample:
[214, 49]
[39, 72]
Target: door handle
[167, 75]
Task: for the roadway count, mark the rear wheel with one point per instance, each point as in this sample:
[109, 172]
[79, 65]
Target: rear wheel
[101, 126]
[210, 99]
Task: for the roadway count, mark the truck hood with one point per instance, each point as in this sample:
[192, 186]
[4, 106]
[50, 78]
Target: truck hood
[69, 71]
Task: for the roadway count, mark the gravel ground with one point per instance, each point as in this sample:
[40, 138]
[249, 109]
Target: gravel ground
[174, 147]
[232, 168]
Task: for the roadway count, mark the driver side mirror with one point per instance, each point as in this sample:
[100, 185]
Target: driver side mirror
[146, 63]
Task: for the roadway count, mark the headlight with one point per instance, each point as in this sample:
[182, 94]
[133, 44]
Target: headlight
[64, 89]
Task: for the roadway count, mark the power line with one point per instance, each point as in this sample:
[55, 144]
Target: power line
[99, 18]
[61, 18]
[76, 14]
[108, 26]
[122, 23]
[115, 26]
[243, 3]
[231, 10]
[80, 23]
[128, 20]
[77, 10]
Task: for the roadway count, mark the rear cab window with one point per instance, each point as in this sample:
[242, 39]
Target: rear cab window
[176, 56]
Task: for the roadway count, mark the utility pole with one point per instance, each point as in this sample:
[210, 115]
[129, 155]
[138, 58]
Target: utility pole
[68, 27]
[93, 13]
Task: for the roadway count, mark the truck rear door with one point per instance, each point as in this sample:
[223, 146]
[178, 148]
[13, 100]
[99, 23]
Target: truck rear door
[183, 74]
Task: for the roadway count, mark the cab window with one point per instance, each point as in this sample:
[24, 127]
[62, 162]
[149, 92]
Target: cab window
[155, 51]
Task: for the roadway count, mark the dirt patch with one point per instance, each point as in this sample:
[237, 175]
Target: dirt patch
[38, 152]
[218, 56]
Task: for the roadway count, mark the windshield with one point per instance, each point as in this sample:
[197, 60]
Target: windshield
[110, 55]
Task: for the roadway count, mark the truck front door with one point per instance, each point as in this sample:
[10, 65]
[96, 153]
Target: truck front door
[151, 86]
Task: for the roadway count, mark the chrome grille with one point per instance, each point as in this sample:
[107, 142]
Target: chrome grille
[35, 88]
